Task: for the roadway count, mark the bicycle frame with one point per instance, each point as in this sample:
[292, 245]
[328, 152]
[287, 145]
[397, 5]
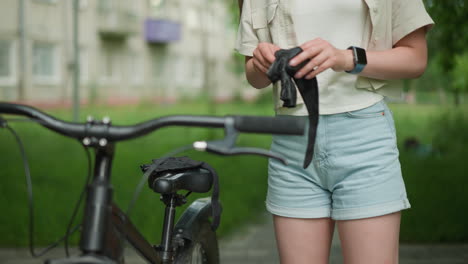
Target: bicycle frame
[105, 225]
[126, 229]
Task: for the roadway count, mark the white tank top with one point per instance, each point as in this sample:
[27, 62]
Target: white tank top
[342, 23]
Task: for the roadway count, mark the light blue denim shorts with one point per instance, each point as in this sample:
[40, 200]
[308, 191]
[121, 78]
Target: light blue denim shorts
[355, 172]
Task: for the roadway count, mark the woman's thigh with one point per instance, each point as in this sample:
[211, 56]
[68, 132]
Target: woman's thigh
[303, 241]
[370, 240]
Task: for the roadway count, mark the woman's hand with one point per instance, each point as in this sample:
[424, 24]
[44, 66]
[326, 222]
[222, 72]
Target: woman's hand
[264, 56]
[257, 66]
[322, 56]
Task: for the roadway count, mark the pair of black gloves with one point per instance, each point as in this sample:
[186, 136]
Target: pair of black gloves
[280, 70]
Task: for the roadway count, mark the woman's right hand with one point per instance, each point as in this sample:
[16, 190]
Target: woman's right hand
[264, 56]
[257, 66]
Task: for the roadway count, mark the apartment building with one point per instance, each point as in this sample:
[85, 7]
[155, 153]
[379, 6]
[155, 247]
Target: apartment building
[129, 50]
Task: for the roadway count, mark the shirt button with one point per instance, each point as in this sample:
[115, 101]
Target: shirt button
[375, 9]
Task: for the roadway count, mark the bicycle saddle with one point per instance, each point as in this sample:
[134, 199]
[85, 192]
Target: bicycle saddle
[195, 180]
[171, 174]
[179, 173]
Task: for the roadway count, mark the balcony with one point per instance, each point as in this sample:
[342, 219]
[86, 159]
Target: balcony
[160, 31]
[116, 19]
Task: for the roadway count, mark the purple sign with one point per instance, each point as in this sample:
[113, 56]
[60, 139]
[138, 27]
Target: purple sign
[162, 31]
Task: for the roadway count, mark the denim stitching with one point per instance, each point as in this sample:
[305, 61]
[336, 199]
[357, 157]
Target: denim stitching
[390, 120]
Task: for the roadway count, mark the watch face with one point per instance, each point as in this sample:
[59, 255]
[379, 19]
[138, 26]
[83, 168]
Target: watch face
[361, 56]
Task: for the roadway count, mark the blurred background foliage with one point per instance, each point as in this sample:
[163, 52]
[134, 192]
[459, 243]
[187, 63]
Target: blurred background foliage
[448, 48]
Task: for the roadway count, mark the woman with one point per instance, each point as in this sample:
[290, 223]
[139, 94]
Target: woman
[356, 50]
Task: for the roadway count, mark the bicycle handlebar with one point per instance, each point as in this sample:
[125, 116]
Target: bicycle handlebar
[250, 124]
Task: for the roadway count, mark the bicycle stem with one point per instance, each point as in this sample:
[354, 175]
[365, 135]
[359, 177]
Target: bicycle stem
[98, 202]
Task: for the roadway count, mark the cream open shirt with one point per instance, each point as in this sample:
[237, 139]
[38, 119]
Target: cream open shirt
[390, 20]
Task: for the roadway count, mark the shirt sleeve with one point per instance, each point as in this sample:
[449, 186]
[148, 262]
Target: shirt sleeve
[408, 16]
[247, 40]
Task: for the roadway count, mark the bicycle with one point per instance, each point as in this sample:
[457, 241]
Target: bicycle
[105, 226]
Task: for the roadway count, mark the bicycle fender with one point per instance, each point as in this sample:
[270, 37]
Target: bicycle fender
[190, 221]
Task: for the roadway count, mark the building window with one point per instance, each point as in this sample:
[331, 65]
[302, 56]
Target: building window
[104, 5]
[155, 7]
[136, 69]
[45, 63]
[182, 67]
[84, 65]
[197, 72]
[155, 3]
[192, 19]
[7, 63]
[83, 4]
[109, 65]
[47, 1]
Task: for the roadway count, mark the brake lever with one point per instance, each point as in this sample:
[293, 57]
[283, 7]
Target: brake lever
[217, 149]
[227, 146]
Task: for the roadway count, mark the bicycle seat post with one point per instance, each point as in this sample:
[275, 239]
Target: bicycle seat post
[171, 201]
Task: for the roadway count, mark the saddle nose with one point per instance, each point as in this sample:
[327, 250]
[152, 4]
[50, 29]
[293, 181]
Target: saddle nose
[195, 180]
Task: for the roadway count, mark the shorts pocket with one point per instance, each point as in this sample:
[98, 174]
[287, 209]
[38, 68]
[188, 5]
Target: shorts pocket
[391, 123]
[376, 110]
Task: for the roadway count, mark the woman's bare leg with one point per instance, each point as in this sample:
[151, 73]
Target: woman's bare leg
[303, 241]
[371, 240]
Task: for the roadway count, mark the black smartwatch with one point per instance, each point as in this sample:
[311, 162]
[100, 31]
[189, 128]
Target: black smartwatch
[360, 59]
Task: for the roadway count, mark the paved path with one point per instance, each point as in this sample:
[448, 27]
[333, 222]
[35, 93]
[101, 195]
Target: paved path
[256, 245]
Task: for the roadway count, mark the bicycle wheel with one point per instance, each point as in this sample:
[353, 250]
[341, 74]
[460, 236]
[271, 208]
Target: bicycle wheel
[202, 250]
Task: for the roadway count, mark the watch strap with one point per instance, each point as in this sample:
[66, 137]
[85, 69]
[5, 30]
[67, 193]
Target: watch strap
[358, 68]
[358, 65]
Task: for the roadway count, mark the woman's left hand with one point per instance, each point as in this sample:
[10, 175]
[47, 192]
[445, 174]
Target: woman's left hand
[323, 56]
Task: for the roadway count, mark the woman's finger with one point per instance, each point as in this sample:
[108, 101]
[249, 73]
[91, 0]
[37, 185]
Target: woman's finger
[267, 53]
[314, 42]
[326, 65]
[259, 66]
[258, 56]
[273, 50]
[310, 50]
[309, 53]
[312, 65]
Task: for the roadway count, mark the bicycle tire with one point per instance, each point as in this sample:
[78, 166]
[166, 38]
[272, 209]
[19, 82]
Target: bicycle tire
[203, 249]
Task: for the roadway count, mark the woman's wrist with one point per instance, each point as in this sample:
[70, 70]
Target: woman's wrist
[348, 60]
[255, 77]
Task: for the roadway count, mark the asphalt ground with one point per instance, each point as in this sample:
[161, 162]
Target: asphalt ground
[256, 244]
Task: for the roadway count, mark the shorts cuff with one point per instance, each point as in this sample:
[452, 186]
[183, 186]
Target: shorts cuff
[373, 211]
[322, 212]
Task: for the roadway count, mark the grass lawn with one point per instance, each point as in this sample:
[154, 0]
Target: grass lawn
[58, 167]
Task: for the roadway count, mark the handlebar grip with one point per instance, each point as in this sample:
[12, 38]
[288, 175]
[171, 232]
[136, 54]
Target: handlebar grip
[285, 125]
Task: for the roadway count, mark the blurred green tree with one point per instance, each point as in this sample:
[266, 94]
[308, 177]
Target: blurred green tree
[449, 39]
[460, 73]
[234, 6]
